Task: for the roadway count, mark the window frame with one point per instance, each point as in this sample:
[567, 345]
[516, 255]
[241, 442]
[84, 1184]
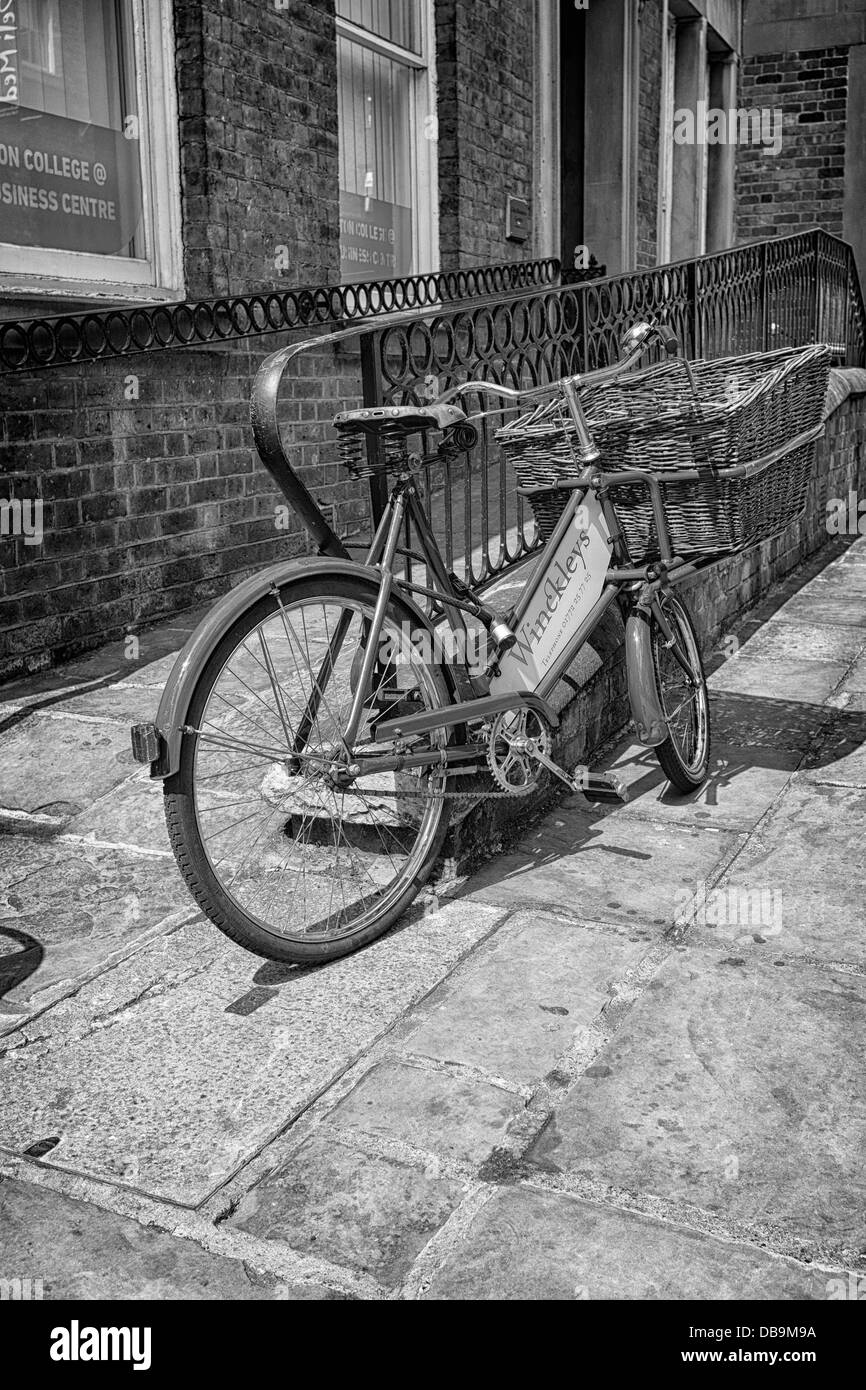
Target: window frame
[424, 146]
[666, 158]
[45, 273]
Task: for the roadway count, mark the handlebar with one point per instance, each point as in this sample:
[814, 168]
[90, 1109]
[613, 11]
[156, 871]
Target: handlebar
[644, 334]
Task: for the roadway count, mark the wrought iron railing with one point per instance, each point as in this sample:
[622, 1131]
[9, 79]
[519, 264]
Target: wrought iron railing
[511, 324]
[785, 292]
[32, 344]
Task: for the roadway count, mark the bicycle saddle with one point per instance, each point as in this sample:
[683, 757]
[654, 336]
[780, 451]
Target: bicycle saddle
[405, 419]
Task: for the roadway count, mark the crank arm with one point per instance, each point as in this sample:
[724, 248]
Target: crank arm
[574, 783]
[596, 786]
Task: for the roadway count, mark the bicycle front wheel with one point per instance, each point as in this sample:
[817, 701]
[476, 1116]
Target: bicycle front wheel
[682, 687]
[285, 861]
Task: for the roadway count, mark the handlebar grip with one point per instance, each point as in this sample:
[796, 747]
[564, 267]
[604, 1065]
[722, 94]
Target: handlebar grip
[668, 338]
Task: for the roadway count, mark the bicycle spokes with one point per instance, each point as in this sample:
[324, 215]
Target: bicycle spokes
[298, 836]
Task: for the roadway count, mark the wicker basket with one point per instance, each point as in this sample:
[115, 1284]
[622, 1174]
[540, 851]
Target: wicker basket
[719, 516]
[709, 416]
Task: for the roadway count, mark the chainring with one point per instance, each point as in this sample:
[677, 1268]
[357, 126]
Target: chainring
[512, 735]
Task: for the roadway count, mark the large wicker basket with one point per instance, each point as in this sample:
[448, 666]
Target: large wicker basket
[706, 416]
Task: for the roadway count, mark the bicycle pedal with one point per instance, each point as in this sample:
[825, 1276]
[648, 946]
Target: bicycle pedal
[603, 786]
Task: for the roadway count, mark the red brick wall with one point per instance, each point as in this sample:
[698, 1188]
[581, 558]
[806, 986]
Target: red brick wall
[484, 60]
[803, 185]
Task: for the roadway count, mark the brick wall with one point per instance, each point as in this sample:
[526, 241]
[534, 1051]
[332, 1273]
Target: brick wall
[484, 59]
[156, 504]
[153, 505]
[258, 130]
[803, 185]
[649, 119]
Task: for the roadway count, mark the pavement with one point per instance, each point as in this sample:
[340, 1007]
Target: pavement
[624, 1060]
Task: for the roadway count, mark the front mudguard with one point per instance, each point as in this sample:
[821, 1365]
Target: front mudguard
[649, 718]
[186, 672]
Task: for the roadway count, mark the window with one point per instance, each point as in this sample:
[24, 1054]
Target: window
[387, 134]
[89, 185]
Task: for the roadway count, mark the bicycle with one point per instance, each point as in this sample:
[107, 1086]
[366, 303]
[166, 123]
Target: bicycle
[321, 723]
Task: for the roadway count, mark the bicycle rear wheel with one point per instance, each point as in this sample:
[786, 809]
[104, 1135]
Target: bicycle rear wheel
[685, 754]
[285, 862]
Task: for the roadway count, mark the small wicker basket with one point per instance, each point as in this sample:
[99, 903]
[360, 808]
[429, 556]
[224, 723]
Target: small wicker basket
[706, 416]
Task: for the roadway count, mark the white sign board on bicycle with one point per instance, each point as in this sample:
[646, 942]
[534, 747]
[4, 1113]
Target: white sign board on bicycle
[560, 594]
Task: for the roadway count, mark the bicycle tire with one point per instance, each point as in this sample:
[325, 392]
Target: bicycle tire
[182, 819]
[686, 775]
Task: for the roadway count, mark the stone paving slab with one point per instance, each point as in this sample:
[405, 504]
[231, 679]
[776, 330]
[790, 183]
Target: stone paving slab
[123, 704]
[789, 640]
[67, 909]
[131, 814]
[80, 1251]
[532, 1245]
[841, 578]
[154, 674]
[854, 554]
[111, 663]
[814, 605]
[734, 1086]
[807, 682]
[438, 1111]
[855, 680]
[850, 702]
[797, 888]
[742, 785]
[170, 1071]
[62, 765]
[744, 720]
[334, 1202]
[841, 757]
[598, 868]
[518, 1007]
[845, 730]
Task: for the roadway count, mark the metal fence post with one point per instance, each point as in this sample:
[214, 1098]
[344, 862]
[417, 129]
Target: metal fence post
[371, 387]
[816, 281]
[693, 307]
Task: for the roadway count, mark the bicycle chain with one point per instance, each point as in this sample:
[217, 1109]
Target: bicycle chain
[491, 795]
[470, 797]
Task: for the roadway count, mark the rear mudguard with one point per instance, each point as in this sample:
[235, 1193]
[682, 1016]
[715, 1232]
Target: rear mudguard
[647, 712]
[191, 661]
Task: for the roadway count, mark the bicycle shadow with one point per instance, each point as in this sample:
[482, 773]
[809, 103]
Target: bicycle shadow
[752, 733]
